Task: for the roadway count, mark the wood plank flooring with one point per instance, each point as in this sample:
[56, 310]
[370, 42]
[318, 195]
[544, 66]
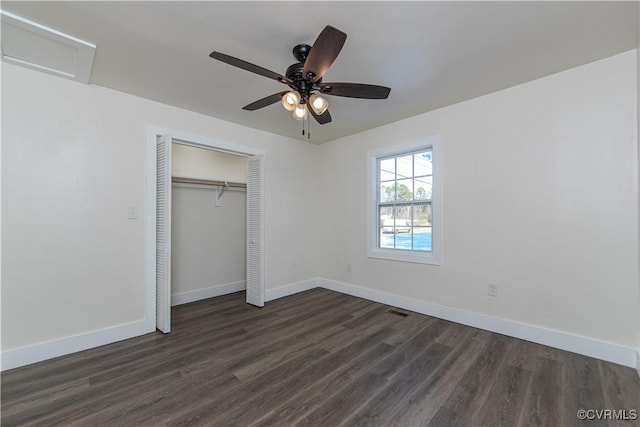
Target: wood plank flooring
[317, 358]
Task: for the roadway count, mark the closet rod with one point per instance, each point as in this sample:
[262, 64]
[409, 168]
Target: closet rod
[180, 180]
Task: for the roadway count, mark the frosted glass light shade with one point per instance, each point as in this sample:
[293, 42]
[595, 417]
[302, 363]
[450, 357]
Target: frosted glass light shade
[290, 100]
[318, 103]
[300, 112]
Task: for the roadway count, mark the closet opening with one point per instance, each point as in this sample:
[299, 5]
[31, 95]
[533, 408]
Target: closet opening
[208, 223]
[206, 234]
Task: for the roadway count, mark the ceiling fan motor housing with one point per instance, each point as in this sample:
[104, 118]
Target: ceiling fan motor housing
[304, 87]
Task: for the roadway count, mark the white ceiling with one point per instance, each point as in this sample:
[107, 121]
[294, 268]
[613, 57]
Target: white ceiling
[431, 54]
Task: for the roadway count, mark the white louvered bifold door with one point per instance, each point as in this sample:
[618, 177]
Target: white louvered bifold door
[163, 234]
[255, 230]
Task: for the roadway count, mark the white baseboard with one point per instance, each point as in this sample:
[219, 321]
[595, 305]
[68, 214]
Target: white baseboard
[290, 289]
[204, 293]
[34, 353]
[22, 356]
[603, 350]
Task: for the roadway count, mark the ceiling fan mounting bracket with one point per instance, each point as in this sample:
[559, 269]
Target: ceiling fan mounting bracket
[301, 51]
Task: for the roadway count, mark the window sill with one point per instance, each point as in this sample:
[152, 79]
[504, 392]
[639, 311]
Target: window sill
[404, 256]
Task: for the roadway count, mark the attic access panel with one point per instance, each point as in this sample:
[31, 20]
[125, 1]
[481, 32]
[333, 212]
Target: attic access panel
[31, 45]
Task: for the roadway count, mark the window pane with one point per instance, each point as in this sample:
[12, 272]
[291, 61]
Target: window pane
[386, 176]
[422, 215]
[403, 238]
[387, 192]
[422, 163]
[386, 219]
[422, 239]
[403, 219]
[405, 190]
[424, 188]
[387, 228]
[405, 166]
[387, 240]
[387, 170]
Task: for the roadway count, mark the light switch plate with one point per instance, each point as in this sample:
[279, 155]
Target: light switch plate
[132, 212]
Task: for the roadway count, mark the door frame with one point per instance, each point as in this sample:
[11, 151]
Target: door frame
[185, 138]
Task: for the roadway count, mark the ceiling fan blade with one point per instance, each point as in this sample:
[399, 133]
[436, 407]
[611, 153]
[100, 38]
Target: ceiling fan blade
[264, 102]
[323, 118]
[250, 67]
[324, 51]
[355, 90]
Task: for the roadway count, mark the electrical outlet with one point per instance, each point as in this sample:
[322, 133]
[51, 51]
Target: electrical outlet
[493, 290]
[348, 267]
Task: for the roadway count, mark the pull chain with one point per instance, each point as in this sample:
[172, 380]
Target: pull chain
[308, 127]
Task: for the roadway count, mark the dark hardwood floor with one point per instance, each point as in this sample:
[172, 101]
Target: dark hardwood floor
[318, 358]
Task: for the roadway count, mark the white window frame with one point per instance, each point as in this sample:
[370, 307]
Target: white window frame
[434, 257]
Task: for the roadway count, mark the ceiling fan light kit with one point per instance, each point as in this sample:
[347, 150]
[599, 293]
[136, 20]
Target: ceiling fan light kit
[290, 100]
[304, 79]
[318, 103]
[300, 112]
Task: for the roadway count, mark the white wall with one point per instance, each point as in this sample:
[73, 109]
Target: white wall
[73, 161]
[193, 162]
[540, 194]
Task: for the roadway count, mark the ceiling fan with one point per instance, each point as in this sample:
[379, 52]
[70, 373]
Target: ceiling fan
[304, 79]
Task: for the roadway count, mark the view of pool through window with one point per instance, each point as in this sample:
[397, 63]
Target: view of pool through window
[417, 242]
[405, 197]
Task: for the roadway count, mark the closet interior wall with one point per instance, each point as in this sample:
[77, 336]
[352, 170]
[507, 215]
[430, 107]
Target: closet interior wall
[208, 233]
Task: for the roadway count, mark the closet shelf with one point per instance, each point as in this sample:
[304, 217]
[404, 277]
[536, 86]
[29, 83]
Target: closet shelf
[222, 185]
[225, 184]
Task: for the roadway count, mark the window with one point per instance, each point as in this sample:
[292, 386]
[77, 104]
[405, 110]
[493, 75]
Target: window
[404, 222]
